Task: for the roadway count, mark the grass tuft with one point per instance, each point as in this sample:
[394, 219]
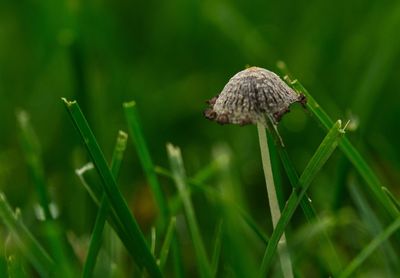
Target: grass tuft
[179, 175]
[29, 246]
[324, 151]
[96, 239]
[346, 146]
[135, 242]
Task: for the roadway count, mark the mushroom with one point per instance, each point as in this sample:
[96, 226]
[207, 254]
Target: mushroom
[254, 95]
[257, 96]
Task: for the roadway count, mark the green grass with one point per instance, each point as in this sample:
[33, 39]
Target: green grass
[166, 246]
[30, 146]
[135, 241]
[135, 130]
[32, 250]
[306, 205]
[319, 158]
[238, 243]
[374, 227]
[95, 241]
[346, 146]
[169, 57]
[370, 248]
[179, 175]
[284, 256]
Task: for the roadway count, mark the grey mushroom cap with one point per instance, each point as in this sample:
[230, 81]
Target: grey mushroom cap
[254, 95]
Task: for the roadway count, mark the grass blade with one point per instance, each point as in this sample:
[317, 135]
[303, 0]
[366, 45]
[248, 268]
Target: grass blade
[291, 173]
[167, 243]
[370, 248]
[95, 241]
[345, 145]
[118, 153]
[140, 252]
[207, 172]
[31, 150]
[315, 164]
[217, 249]
[135, 130]
[153, 240]
[392, 198]
[177, 259]
[276, 171]
[54, 235]
[94, 189]
[29, 246]
[179, 175]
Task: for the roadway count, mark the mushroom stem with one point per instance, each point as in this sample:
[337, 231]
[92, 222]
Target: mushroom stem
[273, 201]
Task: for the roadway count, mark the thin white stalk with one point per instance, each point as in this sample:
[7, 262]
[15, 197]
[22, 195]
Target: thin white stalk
[284, 256]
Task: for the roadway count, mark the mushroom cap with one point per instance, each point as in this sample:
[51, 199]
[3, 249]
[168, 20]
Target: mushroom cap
[251, 96]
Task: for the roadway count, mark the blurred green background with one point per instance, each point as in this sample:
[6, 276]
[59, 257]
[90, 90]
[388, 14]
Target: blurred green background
[170, 56]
